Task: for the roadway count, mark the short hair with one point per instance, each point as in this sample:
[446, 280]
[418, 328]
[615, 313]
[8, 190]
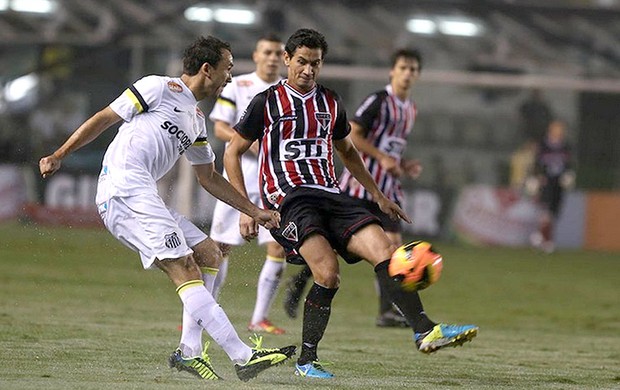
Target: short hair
[270, 37]
[407, 53]
[307, 37]
[203, 50]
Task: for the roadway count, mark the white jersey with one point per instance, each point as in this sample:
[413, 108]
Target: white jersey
[162, 122]
[230, 107]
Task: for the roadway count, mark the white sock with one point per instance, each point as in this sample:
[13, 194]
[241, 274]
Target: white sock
[220, 279]
[200, 305]
[191, 332]
[268, 283]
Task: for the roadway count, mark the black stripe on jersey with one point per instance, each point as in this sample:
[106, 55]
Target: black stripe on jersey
[201, 139]
[300, 122]
[145, 107]
[227, 100]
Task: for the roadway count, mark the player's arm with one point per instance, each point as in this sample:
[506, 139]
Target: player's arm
[219, 187]
[224, 131]
[358, 136]
[232, 163]
[86, 133]
[353, 162]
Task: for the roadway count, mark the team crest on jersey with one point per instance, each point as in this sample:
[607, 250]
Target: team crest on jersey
[174, 87]
[324, 119]
[290, 232]
[172, 240]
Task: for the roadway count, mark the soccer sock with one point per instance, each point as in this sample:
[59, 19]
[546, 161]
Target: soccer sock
[268, 283]
[191, 332]
[385, 304]
[220, 279]
[199, 303]
[407, 302]
[317, 310]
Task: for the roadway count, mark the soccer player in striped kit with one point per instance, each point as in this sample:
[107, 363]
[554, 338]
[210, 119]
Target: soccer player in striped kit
[379, 131]
[300, 124]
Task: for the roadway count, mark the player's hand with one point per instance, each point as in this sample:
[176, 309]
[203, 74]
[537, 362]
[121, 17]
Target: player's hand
[413, 168]
[567, 180]
[393, 210]
[49, 165]
[391, 165]
[248, 228]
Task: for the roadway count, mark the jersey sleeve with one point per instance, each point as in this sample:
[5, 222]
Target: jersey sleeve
[252, 124]
[225, 107]
[342, 128]
[201, 151]
[368, 111]
[144, 95]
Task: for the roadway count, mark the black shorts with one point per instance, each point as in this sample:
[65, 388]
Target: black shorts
[306, 211]
[389, 225]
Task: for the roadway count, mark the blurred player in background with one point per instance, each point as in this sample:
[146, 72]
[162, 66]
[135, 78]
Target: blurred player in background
[162, 121]
[553, 175]
[379, 131]
[300, 124]
[225, 226]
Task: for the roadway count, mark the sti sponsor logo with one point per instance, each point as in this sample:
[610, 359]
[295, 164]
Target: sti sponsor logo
[300, 149]
[184, 140]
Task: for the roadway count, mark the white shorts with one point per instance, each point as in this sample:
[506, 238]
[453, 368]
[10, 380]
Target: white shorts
[145, 224]
[225, 224]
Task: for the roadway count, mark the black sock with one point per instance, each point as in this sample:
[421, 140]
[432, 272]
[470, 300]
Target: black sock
[317, 310]
[407, 302]
[385, 303]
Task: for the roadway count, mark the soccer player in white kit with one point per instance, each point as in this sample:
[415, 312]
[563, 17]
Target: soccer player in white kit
[226, 112]
[162, 121]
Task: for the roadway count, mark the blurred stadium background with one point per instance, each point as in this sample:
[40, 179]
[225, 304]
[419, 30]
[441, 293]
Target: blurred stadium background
[62, 60]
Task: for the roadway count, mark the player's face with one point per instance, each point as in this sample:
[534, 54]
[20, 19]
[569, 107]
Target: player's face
[268, 58]
[304, 67]
[405, 73]
[221, 74]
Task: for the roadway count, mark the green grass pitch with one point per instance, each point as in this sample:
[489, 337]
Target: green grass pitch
[77, 311]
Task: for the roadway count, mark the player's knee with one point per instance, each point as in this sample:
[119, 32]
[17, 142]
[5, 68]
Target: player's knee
[328, 280]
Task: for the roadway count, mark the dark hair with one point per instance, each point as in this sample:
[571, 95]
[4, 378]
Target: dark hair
[203, 50]
[406, 53]
[309, 38]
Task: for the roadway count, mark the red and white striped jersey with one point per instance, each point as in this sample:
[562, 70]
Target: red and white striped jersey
[296, 133]
[387, 121]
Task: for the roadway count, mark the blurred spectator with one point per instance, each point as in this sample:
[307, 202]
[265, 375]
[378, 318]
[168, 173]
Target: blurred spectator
[554, 175]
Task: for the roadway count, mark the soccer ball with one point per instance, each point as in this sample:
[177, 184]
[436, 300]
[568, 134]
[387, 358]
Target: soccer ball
[415, 265]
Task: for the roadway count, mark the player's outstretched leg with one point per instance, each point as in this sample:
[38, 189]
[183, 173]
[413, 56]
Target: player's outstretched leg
[262, 359]
[428, 335]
